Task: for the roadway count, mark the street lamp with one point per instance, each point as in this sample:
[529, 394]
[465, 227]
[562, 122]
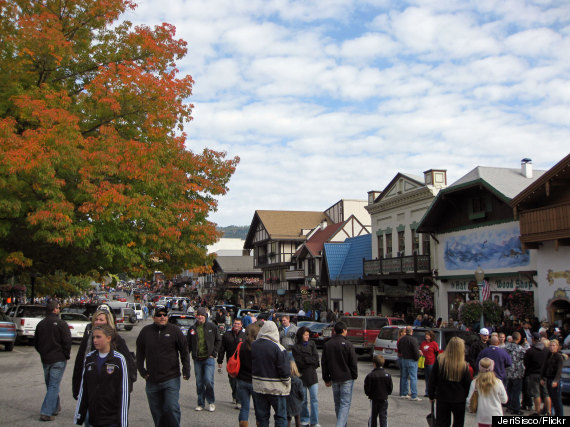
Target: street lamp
[480, 277]
[313, 285]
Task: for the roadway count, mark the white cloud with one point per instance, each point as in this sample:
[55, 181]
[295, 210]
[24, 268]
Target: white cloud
[329, 99]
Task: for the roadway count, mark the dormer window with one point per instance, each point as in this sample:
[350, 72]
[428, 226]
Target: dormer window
[479, 206]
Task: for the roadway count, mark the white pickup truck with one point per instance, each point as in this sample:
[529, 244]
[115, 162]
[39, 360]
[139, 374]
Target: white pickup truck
[26, 317]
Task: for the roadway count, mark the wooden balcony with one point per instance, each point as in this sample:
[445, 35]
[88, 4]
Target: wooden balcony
[548, 223]
[413, 264]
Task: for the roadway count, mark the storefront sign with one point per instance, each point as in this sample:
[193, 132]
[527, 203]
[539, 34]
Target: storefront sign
[497, 285]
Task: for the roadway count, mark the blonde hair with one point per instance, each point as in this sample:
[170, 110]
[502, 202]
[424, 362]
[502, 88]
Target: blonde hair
[485, 381]
[108, 315]
[294, 369]
[452, 361]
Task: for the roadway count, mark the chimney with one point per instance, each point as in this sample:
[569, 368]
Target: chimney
[526, 167]
[323, 224]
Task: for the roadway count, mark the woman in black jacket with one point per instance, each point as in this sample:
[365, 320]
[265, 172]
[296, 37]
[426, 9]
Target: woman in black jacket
[449, 384]
[101, 317]
[244, 383]
[551, 372]
[307, 360]
[104, 391]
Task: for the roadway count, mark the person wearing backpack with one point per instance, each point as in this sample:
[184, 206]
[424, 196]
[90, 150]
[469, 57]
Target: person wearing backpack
[230, 341]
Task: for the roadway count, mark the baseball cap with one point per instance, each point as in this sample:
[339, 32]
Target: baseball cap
[202, 312]
[161, 310]
[484, 331]
[536, 336]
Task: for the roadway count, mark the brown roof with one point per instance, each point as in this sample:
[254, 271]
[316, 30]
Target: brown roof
[316, 243]
[283, 225]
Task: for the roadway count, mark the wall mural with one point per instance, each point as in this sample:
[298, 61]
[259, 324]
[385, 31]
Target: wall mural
[495, 248]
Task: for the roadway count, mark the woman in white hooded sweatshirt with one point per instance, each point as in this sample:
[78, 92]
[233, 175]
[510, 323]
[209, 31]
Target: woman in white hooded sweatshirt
[491, 393]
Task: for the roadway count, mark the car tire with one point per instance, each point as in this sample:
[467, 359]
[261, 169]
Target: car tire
[133, 318]
[9, 346]
[128, 328]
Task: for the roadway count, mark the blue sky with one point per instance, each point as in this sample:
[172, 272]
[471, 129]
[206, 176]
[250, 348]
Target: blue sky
[329, 99]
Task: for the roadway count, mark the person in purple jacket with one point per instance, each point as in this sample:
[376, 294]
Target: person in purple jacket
[499, 355]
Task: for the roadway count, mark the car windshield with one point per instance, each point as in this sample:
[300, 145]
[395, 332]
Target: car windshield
[376, 323]
[318, 326]
[390, 334]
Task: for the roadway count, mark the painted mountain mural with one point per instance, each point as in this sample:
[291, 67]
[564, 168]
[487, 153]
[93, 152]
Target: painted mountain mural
[497, 248]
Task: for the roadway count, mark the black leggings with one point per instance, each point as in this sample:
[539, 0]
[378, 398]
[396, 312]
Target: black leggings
[445, 409]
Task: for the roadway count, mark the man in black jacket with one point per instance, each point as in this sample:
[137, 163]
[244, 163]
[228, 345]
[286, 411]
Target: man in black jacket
[52, 340]
[230, 341]
[160, 345]
[409, 349]
[534, 359]
[340, 369]
[378, 386]
[204, 341]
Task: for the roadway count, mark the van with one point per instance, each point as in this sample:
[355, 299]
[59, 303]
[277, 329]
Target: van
[387, 340]
[362, 331]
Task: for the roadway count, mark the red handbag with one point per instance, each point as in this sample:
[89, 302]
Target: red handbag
[233, 364]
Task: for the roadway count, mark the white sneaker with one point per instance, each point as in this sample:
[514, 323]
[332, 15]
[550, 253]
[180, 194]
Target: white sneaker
[405, 397]
[198, 408]
[211, 407]
[416, 399]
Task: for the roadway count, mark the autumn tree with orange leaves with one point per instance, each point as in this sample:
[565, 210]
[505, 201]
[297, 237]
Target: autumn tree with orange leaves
[94, 171]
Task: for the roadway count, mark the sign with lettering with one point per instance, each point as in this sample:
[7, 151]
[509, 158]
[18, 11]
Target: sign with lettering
[497, 285]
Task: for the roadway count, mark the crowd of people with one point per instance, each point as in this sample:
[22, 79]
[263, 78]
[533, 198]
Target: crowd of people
[278, 370]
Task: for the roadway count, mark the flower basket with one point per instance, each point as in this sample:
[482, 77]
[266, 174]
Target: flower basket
[423, 298]
[521, 304]
[470, 312]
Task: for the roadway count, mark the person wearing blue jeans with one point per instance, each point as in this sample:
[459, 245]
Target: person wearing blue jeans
[340, 370]
[409, 349]
[204, 342]
[52, 341]
[342, 396]
[204, 372]
[244, 391]
[311, 418]
[53, 374]
[263, 404]
[163, 400]
[159, 347]
[410, 371]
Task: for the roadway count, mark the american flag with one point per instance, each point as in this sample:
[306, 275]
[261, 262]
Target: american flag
[486, 291]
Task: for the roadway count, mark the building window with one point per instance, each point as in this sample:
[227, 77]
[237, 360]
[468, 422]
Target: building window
[381, 246]
[401, 243]
[425, 244]
[311, 266]
[415, 242]
[479, 206]
[388, 245]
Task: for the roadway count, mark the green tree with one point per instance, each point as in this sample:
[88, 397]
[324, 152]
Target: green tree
[95, 174]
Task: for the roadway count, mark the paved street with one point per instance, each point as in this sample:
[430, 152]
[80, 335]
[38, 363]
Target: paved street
[23, 390]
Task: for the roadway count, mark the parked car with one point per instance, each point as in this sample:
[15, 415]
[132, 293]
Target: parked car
[387, 339]
[125, 317]
[315, 331]
[242, 311]
[182, 320]
[86, 309]
[363, 330]
[7, 332]
[77, 324]
[26, 317]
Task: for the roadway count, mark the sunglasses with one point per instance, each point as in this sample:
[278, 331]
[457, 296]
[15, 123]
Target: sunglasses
[161, 315]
